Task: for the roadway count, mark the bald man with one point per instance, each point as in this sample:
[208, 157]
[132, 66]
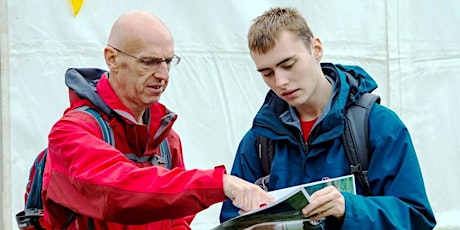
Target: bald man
[91, 184]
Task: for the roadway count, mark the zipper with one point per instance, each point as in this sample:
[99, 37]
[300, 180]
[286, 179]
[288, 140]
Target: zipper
[313, 133]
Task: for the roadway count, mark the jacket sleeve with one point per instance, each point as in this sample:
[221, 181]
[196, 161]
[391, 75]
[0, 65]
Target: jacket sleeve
[178, 161]
[398, 200]
[90, 177]
[182, 223]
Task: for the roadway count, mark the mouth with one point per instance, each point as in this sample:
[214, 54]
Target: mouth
[155, 89]
[289, 95]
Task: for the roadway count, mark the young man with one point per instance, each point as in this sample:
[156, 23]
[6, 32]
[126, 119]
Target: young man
[90, 184]
[304, 114]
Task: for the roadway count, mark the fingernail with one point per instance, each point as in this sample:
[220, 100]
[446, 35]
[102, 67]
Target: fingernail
[261, 204]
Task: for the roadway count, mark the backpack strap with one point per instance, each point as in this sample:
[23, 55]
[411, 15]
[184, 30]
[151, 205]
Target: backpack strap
[165, 154]
[34, 196]
[33, 209]
[107, 135]
[164, 157]
[266, 150]
[107, 132]
[356, 137]
[70, 219]
[39, 163]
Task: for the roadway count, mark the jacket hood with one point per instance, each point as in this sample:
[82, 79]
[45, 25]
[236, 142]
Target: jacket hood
[358, 81]
[350, 83]
[82, 84]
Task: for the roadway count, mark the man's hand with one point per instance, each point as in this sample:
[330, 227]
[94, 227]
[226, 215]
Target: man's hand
[244, 195]
[325, 202]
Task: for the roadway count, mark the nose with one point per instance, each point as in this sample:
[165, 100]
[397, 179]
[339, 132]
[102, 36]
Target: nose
[281, 79]
[162, 72]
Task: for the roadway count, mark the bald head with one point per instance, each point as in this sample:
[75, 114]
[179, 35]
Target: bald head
[137, 40]
[137, 26]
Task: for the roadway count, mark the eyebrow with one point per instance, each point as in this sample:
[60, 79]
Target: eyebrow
[149, 58]
[278, 64]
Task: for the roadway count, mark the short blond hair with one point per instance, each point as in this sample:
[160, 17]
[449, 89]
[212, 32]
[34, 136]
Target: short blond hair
[267, 27]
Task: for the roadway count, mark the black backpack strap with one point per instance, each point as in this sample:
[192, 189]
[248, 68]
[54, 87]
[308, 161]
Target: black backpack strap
[356, 137]
[266, 150]
[70, 220]
[91, 224]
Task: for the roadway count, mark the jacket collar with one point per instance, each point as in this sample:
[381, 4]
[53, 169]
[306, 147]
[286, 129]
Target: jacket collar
[90, 84]
[277, 120]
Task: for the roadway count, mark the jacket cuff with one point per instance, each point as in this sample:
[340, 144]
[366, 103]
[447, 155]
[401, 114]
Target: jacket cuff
[219, 172]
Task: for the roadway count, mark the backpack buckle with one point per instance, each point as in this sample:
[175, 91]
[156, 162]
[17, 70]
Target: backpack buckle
[157, 160]
[30, 219]
[355, 168]
[263, 182]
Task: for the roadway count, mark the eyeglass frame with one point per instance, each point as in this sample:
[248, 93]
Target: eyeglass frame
[146, 60]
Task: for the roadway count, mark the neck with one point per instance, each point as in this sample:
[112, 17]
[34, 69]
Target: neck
[315, 105]
[120, 90]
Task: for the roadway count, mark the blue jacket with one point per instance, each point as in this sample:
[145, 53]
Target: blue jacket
[398, 200]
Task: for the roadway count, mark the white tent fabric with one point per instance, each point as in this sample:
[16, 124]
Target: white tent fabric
[410, 47]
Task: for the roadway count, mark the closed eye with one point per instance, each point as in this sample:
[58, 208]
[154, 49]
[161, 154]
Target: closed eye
[152, 61]
[266, 73]
[288, 64]
[287, 67]
[156, 61]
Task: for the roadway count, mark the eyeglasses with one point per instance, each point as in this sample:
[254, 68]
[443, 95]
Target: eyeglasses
[152, 63]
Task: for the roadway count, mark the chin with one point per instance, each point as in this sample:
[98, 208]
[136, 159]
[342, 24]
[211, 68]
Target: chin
[153, 100]
[296, 102]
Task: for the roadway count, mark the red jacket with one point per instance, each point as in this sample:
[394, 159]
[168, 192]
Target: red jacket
[93, 179]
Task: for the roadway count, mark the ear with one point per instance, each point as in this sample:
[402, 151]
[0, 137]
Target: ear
[110, 58]
[317, 49]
